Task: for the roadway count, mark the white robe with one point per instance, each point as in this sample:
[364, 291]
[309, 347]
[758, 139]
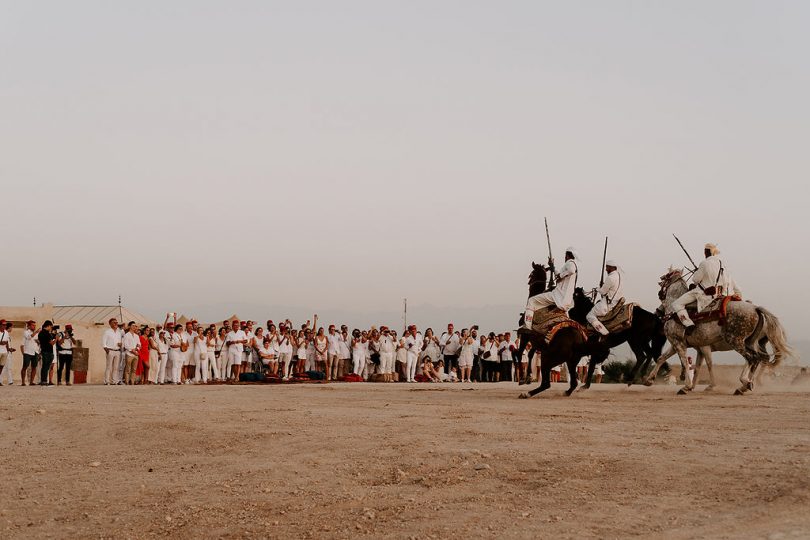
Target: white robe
[563, 293]
[611, 292]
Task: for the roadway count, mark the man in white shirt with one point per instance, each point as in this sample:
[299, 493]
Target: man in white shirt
[450, 344]
[132, 347]
[235, 340]
[30, 352]
[332, 352]
[111, 342]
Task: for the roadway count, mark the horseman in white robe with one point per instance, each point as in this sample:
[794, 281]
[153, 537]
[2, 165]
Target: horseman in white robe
[611, 292]
[563, 294]
[711, 280]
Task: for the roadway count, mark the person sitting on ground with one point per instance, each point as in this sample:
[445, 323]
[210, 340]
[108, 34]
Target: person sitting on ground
[428, 371]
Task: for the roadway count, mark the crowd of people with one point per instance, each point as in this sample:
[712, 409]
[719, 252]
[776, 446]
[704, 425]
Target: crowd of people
[193, 353]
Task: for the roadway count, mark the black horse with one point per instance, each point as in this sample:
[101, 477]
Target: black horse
[645, 337]
[565, 348]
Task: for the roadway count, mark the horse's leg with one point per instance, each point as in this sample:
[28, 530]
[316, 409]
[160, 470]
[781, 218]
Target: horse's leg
[572, 374]
[680, 348]
[527, 378]
[589, 376]
[641, 358]
[545, 384]
[706, 353]
[666, 355]
[698, 363]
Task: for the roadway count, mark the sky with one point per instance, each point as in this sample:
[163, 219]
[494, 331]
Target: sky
[337, 157]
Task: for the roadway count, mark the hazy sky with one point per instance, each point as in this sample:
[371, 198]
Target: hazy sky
[344, 155]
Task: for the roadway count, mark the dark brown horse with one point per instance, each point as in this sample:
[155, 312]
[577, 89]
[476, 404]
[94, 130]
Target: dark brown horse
[645, 337]
[566, 347]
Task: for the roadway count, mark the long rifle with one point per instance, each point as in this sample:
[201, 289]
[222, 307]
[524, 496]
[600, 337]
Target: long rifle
[604, 259]
[550, 258]
[694, 266]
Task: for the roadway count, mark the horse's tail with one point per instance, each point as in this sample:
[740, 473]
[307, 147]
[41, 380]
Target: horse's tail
[773, 330]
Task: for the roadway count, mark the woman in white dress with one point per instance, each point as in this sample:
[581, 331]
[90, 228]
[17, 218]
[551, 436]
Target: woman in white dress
[201, 352]
[211, 350]
[285, 352]
[221, 353]
[255, 344]
[358, 352]
[175, 353]
[465, 357]
[321, 347]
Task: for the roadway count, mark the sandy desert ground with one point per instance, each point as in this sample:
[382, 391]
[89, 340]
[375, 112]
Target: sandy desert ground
[403, 461]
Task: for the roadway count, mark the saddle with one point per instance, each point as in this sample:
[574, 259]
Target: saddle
[619, 318]
[548, 321]
[716, 311]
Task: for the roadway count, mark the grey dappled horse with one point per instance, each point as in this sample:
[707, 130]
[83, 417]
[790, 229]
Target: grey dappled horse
[747, 329]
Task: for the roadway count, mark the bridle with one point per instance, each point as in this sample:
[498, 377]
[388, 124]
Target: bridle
[666, 282]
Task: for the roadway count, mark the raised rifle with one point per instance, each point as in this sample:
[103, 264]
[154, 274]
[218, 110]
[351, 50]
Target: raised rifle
[604, 259]
[550, 258]
[694, 266]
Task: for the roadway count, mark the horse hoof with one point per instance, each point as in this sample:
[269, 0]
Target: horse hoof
[683, 392]
[738, 392]
[647, 382]
[523, 395]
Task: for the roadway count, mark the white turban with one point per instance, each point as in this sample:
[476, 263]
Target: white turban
[572, 251]
[612, 263]
[712, 249]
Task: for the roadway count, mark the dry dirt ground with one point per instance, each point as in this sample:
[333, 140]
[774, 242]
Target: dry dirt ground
[402, 461]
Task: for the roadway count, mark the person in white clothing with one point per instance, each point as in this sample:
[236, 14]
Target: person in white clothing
[132, 345]
[465, 357]
[413, 346]
[221, 354]
[5, 350]
[162, 339]
[711, 280]
[611, 292]
[358, 352]
[563, 294]
[201, 354]
[175, 341]
[387, 349]
[235, 341]
[285, 351]
[111, 342]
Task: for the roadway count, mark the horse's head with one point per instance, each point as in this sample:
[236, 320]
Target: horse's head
[537, 279]
[671, 285]
[582, 305]
[538, 273]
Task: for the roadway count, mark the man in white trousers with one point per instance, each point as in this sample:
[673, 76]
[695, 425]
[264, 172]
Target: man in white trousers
[711, 280]
[611, 292]
[563, 294]
[111, 342]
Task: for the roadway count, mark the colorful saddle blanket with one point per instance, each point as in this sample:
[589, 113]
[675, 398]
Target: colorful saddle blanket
[620, 318]
[716, 311]
[548, 321]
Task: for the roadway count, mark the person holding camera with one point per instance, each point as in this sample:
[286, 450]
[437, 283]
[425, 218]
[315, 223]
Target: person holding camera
[30, 349]
[450, 344]
[64, 352]
[47, 339]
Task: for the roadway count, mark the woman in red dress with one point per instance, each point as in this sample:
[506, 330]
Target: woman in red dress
[143, 356]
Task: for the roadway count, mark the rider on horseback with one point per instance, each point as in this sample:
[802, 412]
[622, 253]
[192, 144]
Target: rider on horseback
[711, 280]
[612, 292]
[562, 295]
